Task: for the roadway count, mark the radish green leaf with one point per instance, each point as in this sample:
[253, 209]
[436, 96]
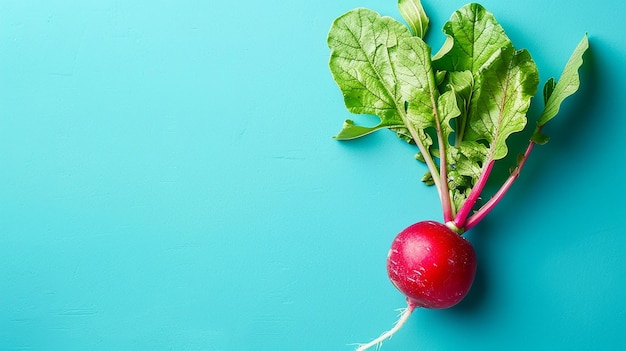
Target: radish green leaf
[364, 64]
[567, 85]
[501, 99]
[415, 16]
[477, 36]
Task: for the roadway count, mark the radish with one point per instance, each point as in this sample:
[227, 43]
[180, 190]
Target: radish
[432, 265]
[458, 107]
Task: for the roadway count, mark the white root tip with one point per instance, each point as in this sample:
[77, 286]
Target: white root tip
[404, 316]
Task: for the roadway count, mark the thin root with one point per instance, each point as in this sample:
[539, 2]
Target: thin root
[404, 316]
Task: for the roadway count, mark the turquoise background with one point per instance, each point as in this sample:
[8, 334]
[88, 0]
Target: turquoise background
[168, 181]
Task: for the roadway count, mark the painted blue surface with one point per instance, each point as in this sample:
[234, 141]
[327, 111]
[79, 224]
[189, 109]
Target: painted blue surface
[168, 182]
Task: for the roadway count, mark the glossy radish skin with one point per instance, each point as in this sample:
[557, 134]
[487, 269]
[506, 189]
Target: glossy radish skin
[432, 265]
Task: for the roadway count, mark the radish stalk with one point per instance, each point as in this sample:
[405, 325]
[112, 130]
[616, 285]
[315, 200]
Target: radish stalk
[489, 205]
[464, 211]
[444, 192]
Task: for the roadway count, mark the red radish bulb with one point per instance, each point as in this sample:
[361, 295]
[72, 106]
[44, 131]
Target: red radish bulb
[432, 265]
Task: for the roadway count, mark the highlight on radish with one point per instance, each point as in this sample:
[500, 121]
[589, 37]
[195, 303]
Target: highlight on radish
[458, 107]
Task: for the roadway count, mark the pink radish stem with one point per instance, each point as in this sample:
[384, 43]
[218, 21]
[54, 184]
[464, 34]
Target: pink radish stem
[489, 205]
